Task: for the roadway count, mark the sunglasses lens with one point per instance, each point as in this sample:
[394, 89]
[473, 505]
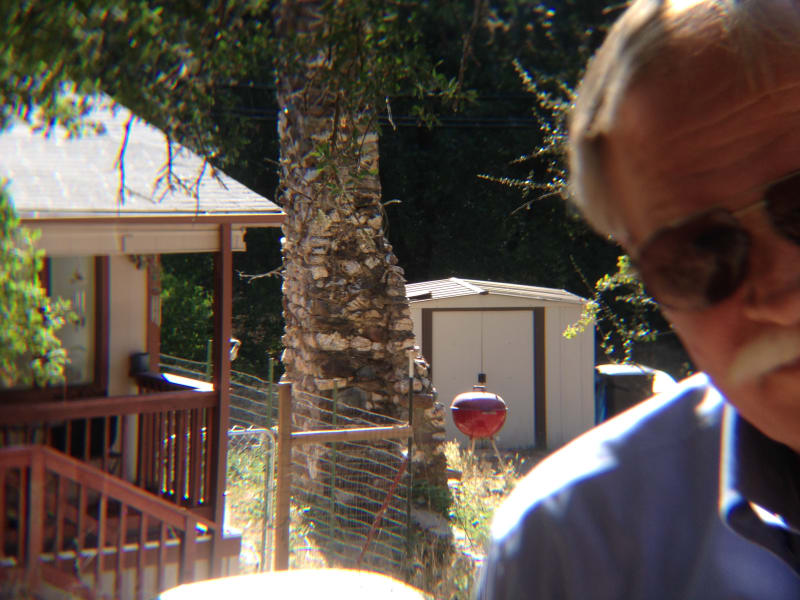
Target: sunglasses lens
[783, 206]
[697, 263]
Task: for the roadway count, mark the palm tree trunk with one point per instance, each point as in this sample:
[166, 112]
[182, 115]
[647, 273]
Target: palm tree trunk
[347, 316]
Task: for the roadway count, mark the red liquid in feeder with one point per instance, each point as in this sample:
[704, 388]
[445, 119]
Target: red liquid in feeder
[478, 414]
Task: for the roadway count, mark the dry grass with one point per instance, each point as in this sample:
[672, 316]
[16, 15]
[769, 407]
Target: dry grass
[448, 571]
[245, 500]
[445, 567]
[483, 485]
[246, 494]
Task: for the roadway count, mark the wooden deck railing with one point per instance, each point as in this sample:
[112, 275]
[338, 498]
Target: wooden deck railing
[172, 455]
[67, 519]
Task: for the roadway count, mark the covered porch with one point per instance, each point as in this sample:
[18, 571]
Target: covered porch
[113, 482]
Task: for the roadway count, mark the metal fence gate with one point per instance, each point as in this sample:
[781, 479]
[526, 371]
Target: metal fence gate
[250, 494]
[349, 484]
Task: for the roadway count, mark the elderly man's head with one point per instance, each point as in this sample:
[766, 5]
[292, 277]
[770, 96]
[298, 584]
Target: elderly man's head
[659, 39]
[685, 146]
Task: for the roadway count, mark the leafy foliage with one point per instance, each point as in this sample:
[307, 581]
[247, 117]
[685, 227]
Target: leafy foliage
[188, 309]
[449, 570]
[481, 489]
[568, 33]
[174, 64]
[446, 218]
[371, 51]
[559, 41]
[189, 66]
[30, 351]
[164, 62]
[204, 72]
[623, 312]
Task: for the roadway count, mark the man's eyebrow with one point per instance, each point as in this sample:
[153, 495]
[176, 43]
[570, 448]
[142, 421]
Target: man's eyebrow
[762, 190]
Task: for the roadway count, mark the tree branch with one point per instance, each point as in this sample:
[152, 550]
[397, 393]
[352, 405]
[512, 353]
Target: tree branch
[276, 272]
[469, 38]
[120, 162]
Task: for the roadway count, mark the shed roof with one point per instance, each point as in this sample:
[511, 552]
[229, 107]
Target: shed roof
[454, 286]
[57, 177]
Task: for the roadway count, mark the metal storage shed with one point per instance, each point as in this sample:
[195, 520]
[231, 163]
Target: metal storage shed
[513, 333]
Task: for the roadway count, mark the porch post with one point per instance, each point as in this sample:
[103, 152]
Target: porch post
[154, 310]
[223, 314]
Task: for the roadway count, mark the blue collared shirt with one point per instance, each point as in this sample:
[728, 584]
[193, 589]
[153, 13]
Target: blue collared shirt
[676, 498]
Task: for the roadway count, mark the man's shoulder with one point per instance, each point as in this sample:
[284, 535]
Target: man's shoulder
[654, 444]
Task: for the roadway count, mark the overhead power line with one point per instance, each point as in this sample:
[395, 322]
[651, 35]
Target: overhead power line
[471, 122]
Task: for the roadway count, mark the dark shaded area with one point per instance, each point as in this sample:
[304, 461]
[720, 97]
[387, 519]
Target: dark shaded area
[442, 219]
[449, 222]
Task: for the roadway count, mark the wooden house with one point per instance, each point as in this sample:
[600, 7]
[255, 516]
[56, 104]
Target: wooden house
[111, 485]
[513, 334]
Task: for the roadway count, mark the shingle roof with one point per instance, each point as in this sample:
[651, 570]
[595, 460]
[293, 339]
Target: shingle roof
[57, 177]
[450, 288]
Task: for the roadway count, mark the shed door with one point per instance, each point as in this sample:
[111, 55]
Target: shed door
[500, 341]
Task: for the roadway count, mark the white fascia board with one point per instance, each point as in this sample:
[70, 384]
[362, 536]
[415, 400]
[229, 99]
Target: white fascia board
[60, 239]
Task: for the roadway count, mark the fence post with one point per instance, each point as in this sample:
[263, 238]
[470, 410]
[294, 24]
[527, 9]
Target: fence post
[270, 390]
[411, 355]
[268, 439]
[283, 483]
[210, 358]
[334, 423]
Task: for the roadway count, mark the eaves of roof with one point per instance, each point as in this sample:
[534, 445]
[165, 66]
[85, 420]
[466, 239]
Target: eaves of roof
[454, 287]
[78, 179]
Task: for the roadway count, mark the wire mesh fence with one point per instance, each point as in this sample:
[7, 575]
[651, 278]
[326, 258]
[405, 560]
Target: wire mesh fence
[250, 490]
[250, 494]
[253, 400]
[350, 500]
[352, 496]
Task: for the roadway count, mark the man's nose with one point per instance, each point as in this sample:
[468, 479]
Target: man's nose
[773, 288]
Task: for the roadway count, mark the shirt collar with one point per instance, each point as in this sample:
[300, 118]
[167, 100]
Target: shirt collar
[760, 478]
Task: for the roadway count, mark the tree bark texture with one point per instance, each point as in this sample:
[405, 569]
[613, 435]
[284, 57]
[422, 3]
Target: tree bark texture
[346, 313]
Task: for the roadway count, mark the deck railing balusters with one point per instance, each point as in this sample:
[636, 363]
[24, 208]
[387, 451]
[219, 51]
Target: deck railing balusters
[162, 550]
[101, 539]
[140, 557]
[188, 542]
[22, 514]
[106, 443]
[196, 442]
[61, 500]
[121, 529]
[4, 509]
[184, 467]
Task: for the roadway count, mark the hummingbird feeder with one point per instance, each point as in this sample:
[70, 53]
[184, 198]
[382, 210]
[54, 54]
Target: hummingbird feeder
[478, 413]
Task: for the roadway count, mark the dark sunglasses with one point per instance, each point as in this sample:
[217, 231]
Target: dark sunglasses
[703, 260]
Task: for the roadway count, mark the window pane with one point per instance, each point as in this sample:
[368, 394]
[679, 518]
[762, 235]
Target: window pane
[72, 278]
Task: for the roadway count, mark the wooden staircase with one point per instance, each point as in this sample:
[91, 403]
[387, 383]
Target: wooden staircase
[72, 528]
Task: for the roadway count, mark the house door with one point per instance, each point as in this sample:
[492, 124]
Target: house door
[498, 343]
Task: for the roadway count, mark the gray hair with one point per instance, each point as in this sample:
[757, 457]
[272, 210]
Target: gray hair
[653, 31]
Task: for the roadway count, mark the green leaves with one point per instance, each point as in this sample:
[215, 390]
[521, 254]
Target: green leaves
[363, 50]
[554, 44]
[30, 352]
[622, 310]
[188, 309]
[169, 63]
